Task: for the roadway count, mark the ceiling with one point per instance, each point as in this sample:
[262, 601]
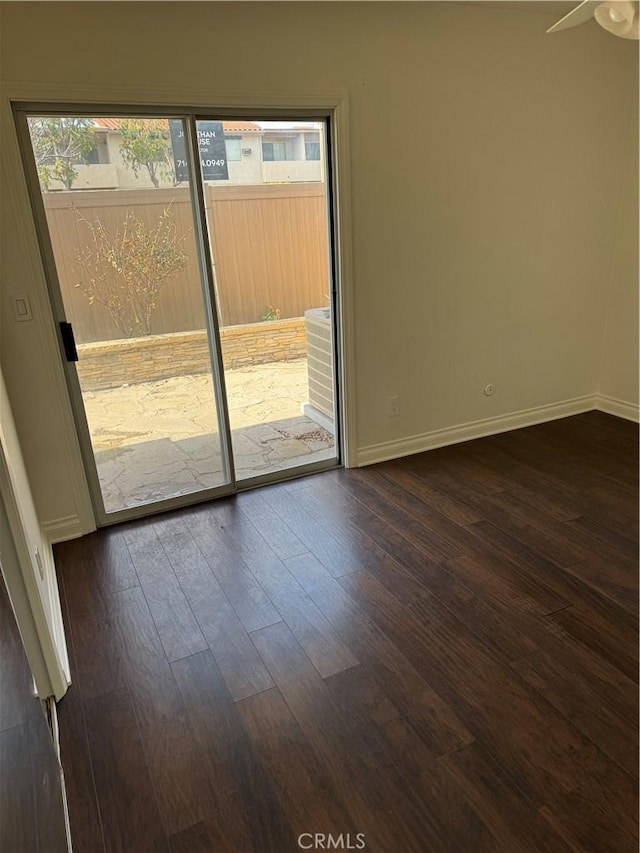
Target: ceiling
[542, 7]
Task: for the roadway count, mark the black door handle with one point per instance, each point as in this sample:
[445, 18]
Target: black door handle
[68, 342]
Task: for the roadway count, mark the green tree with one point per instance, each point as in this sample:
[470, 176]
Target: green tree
[146, 144]
[125, 271]
[60, 144]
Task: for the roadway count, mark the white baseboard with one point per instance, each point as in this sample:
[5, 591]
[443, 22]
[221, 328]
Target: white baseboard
[62, 529]
[70, 526]
[620, 408]
[474, 429]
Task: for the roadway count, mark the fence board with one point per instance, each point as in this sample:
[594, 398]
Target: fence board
[269, 249]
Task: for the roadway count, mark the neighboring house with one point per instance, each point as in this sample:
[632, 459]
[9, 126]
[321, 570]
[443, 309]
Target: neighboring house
[256, 154]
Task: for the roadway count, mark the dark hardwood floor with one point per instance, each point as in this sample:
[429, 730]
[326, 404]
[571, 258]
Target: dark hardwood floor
[32, 818]
[439, 652]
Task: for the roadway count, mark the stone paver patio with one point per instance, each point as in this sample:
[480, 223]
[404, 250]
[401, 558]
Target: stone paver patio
[159, 439]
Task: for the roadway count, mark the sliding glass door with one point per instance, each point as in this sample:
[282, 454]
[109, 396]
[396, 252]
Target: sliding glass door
[269, 240]
[189, 262]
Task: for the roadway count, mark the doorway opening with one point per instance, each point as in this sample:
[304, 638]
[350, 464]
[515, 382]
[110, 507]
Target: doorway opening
[190, 264]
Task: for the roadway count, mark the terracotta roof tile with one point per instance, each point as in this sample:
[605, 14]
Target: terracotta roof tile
[110, 123]
[235, 126]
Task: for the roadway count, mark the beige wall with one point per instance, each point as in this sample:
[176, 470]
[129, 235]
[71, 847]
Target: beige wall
[28, 565]
[620, 356]
[291, 170]
[247, 170]
[481, 255]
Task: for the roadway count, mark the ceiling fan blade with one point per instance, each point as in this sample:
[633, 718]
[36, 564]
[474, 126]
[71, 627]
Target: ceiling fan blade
[579, 15]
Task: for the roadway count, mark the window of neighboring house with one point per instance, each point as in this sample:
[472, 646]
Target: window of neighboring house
[98, 154]
[312, 146]
[274, 151]
[91, 157]
[233, 145]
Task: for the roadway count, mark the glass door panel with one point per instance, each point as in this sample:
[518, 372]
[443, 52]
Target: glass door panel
[120, 215]
[266, 200]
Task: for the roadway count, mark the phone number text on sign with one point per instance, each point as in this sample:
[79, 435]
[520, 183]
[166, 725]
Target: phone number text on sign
[205, 164]
[213, 153]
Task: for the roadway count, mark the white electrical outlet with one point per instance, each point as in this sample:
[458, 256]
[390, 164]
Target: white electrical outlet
[393, 407]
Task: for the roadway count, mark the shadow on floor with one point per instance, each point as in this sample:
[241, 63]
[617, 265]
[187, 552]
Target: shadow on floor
[149, 471]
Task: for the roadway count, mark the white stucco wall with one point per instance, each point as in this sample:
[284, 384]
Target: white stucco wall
[291, 170]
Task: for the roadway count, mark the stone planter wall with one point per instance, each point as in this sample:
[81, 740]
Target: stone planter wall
[133, 360]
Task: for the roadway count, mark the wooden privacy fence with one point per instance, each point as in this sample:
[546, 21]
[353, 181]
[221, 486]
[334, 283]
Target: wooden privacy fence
[269, 248]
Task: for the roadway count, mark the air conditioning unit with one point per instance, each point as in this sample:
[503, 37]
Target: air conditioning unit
[246, 152]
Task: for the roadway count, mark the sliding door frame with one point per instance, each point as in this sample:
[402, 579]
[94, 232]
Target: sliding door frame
[342, 343]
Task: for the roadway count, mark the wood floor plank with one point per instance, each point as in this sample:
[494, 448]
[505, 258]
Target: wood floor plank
[595, 626]
[444, 466]
[404, 512]
[559, 463]
[482, 578]
[235, 654]
[585, 822]
[523, 479]
[381, 543]
[611, 579]
[564, 583]
[552, 756]
[534, 591]
[47, 785]
[16, 684]
[310, 700]
[183, 788]
[425, 710]
[604, 421]
[279, 536]
[326, 544]
[613, 507]
[435, 499]
[31, 798]
[433, 585]
[112, 560]
[243, 591]
[432, 804]
[98, 664]
[202, 837]
[587, 448]
[512, 818]
[586, 708]
[602, 541]
[324, 648]
[322, 500]
[304, 787]
[244, 809]
[594, 675]
[18, 827]
[178, 630]
[526, 523]
[130, 814]
[84, 812]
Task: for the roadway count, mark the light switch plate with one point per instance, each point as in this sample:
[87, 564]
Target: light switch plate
[22, 308]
